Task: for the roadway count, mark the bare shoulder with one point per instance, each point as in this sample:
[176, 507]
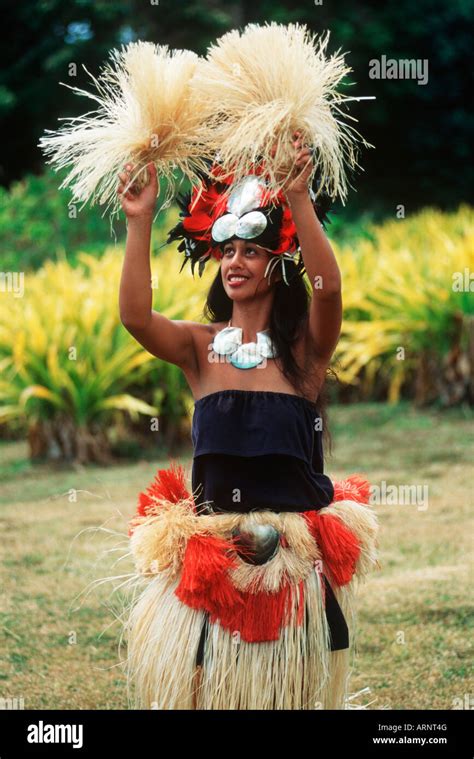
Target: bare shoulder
[199, 328]
[202, 337]
[202, 332]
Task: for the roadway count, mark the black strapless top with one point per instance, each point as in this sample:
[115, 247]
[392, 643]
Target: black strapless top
[258, 449]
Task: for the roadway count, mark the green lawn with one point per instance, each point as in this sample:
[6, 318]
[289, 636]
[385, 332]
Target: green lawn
[59, 635]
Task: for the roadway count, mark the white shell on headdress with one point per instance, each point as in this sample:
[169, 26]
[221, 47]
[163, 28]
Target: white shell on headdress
[224, 227]
[249, 225]
[242, 219]
[246, 195]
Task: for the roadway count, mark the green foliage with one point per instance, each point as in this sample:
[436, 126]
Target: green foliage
[38, 223]
[35, 224]
[404, 288]
[65, 356]
[63, 351]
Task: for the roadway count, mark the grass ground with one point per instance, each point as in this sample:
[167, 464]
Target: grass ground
[59, 638]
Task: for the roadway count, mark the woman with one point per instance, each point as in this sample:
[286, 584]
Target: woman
[249, 605]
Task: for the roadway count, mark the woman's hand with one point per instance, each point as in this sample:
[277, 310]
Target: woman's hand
[304, 165]
[136, 201]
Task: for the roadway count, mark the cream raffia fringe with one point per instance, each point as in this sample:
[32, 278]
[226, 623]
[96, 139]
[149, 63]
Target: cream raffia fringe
[146, 112]
[259, 86]
[239, 106]
[298, 671]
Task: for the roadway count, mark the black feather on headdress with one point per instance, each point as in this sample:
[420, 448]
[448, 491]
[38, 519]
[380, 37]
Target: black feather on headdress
[199, 251]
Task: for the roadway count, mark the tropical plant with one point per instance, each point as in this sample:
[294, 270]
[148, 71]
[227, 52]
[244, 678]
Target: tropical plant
[402, 303]
[67, 363]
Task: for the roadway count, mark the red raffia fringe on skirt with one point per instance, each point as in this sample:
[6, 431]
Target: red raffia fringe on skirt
[268, 642]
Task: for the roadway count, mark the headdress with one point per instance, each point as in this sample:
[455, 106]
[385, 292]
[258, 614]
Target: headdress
[242, 103]
[222, 209]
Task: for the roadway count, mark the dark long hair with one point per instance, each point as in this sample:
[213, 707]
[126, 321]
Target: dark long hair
[289, 314]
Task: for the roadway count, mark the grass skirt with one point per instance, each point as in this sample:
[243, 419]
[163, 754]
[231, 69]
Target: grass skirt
[268, 642]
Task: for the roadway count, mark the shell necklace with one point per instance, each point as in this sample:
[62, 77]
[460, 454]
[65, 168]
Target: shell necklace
[228, 342]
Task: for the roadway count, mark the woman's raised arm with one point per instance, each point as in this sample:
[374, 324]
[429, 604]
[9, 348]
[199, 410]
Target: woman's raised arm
[167, 339]
[325, 314]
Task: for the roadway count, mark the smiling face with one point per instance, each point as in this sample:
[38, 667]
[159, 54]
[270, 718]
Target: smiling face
[243, 269]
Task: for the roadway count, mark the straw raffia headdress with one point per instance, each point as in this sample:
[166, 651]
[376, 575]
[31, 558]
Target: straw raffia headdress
[216, 120]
